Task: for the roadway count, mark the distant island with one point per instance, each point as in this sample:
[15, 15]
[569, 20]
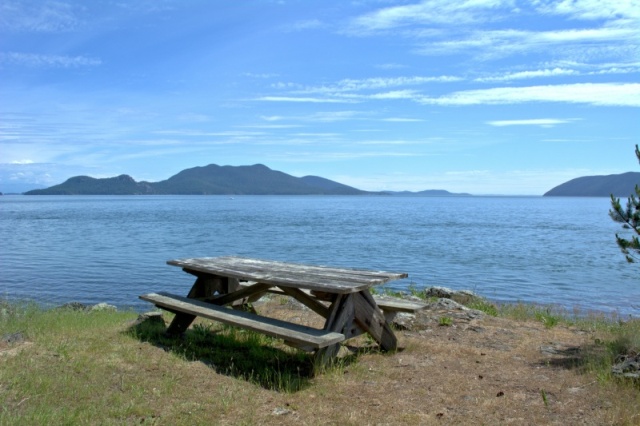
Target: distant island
[620, 185]
[217, 180]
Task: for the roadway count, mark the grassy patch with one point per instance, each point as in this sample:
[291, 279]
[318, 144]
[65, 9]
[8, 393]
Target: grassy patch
[231, 351]
[445, 321]
[79, 367]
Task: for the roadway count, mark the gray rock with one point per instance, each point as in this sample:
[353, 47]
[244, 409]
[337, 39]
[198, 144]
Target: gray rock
[439, 292]
[102, 307]
[445, 303]
[150, 317]
[629, 366]
[11, 338]
[460, 296]
[403, 320]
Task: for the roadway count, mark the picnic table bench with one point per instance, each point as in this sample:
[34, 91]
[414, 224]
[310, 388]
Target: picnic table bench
[340, 295]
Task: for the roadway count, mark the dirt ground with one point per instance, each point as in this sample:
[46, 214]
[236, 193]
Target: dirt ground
[477, 370]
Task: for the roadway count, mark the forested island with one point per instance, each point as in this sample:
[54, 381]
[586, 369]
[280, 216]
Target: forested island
[619, 185]
[257, 179]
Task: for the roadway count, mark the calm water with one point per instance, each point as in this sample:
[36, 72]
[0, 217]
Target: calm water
[111, 249]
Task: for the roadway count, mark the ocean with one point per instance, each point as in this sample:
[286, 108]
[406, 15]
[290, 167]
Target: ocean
[92, 249]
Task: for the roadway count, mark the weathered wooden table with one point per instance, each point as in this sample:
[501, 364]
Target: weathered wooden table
[340, 295]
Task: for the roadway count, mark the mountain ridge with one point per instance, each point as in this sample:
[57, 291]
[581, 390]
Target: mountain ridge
[620, 185]
[212, 179]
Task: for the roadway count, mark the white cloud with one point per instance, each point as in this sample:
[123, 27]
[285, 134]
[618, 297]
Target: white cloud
[428, 12]
[307, 24]
[354, 85]
[555, 72]
[46, 16]
[565, 68]
[260, 75]
[590, 9]
[394, 94]
[47, 61]
[606, 94]
[390, 66]
[402, 120]
[543, 122]
[567, 43]
[302, 99]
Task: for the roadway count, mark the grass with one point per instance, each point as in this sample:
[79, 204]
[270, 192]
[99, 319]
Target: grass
[78, 367]
[234, 352]
[84, 367]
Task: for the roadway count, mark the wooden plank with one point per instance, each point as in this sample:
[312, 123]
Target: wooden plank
[397, 305]
[244, 292]
[340, 320]
[370, 318]
[319, 278]
[307, 300]
[298, 334]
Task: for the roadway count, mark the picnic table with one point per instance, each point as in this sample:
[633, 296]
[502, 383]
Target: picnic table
[339, 295]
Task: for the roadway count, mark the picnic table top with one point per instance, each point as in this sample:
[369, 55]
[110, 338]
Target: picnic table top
[284, 274]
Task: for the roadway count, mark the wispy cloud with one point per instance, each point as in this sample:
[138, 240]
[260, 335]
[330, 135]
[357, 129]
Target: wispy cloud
[260, 75]
[47, 61]
[320, 116]
[427, 12]
[568, 69]
[200, 133]
[402, 120]
[543, 122]
[36, 16]
[374, 83]
[521, 75]
[303, 25]
[390, 66]
[605, 94]
[303, 99]
[602, 29]
[576, 43]
[590, 9]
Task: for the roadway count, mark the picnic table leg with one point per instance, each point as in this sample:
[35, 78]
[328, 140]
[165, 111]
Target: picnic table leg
[340, 319]
[371, 319]
[204, 286]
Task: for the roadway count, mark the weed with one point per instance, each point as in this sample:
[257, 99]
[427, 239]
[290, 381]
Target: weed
[547, 318]
[445, 321]
[483, 305]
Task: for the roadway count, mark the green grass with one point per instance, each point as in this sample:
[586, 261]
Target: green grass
[77, 367]
[445, 321]
[235, 352]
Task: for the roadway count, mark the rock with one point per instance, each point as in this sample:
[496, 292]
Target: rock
[461, 296]
[150, 317]
[439, 292]
[445, 303]
[102, 307]
[403, 320]
[560, 349]
[280, 411]
[11, 338]
[628, 366]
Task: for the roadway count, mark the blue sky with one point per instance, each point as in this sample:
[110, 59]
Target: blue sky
[481, 96]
